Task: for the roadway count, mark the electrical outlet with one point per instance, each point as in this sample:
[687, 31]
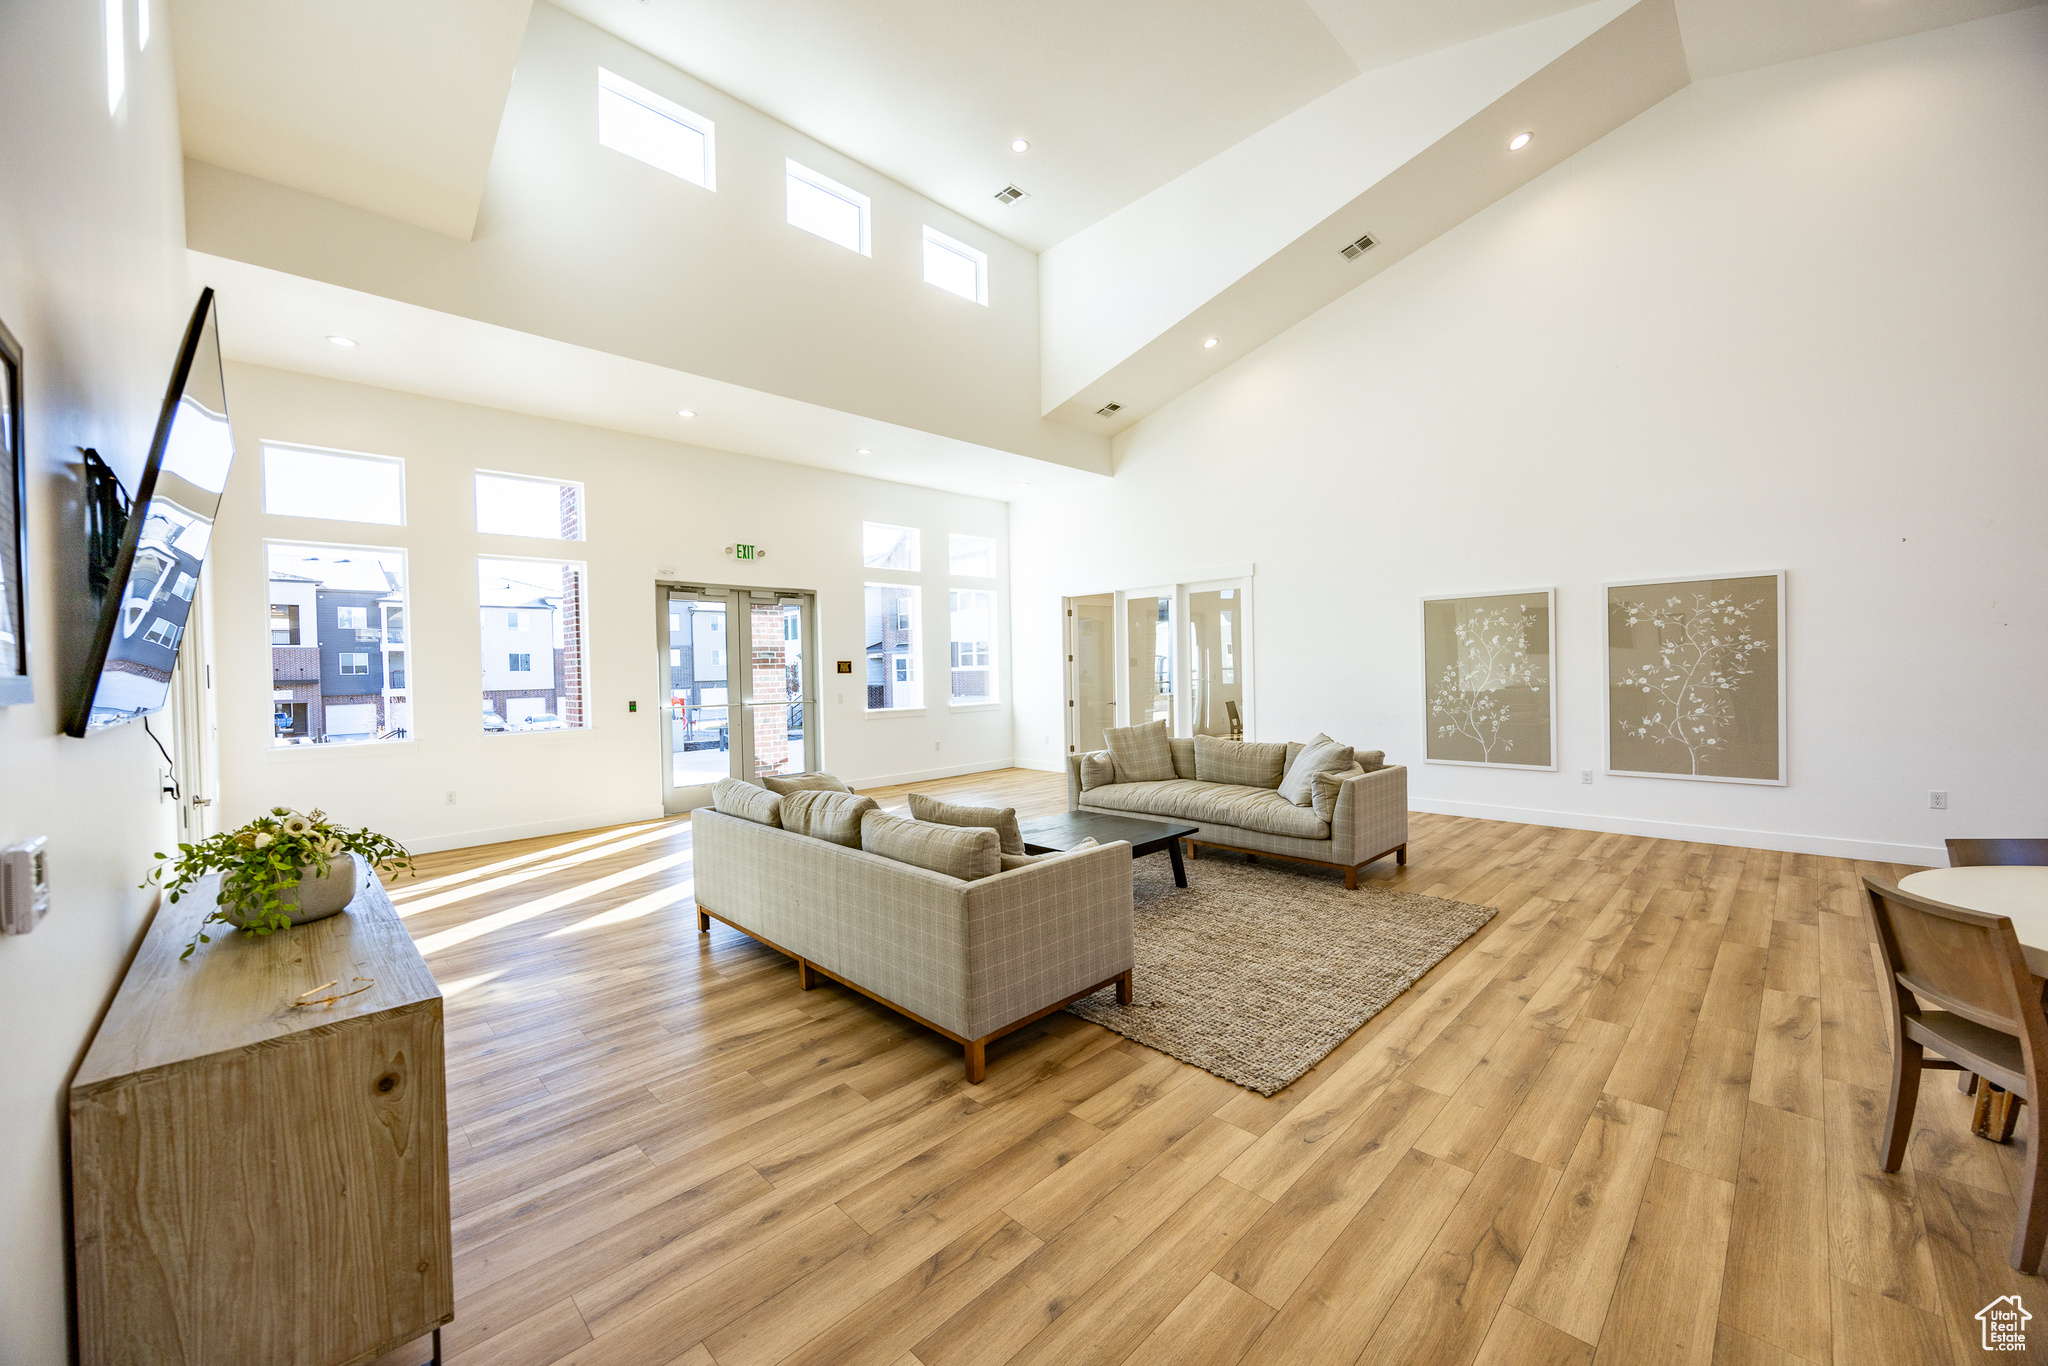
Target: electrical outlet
[1937, 801]
[166, 785]
[1585, 775]
[451, 799]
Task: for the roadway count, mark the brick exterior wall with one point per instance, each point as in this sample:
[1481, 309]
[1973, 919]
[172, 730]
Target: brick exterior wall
[569, 659]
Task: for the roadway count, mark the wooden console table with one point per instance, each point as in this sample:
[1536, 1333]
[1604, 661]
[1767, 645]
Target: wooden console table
[254, 1182]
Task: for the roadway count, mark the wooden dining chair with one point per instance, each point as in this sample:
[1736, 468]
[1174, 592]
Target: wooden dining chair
[1999, 853]
[1990, 1021]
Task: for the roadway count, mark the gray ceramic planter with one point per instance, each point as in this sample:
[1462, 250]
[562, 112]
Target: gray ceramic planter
[315, 898]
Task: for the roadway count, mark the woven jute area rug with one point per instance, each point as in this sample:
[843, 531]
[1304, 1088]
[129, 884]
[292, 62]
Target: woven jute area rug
[1255, 971]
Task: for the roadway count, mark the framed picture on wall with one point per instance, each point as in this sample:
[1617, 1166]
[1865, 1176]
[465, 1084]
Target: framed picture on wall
[1488, 677]
[1696, 678]
[14, 677]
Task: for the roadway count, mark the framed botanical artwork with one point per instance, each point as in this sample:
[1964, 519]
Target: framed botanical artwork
[1488, 663]
[1696, 678]
[14, 677]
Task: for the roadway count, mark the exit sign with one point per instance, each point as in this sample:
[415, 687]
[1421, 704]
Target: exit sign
[746, 552]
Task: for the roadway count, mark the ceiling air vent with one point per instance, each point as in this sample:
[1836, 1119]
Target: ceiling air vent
[1358, 248]
[1010, 194]
[1107, 409]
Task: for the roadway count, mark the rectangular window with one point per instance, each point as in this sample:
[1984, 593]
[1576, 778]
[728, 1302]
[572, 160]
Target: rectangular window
[337, 486]
[516, 505]
[165, 632]
[974, 653]
[535, 673]
[971, 557]
[347, 684]
[822, 205]
[185, 587]
[888, 547]
[892, 645]
[955, 267]
[634, 120]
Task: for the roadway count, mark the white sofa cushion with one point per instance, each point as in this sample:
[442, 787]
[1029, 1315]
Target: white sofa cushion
[784, 784]
[1204, 803]
[1097, 770]
[1320, 755]
[1323, 790]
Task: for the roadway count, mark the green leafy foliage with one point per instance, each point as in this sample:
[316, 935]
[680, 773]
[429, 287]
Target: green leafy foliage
[263, 860]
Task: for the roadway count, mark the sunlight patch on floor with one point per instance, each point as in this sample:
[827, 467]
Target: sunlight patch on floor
[634, 910]
[517, 915]
[409, 889]
[496, 884]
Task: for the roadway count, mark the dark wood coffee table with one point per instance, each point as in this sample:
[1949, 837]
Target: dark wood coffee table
[1059, 833]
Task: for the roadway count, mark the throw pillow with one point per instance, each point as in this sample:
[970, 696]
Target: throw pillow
[1142, 753]
[1097, 770]
[1013, 861]
[1246, 763]
[1001, 819]
[1371, 760]
[1320, 755]
[1183, 757]
[732, 797]
[957, 851]
[833, 816]
[1323, 790]
[804, 782]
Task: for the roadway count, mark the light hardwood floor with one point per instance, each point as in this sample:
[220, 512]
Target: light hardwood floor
[1633, 1120]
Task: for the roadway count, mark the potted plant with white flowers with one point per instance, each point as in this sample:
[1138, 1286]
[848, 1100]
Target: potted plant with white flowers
[279, 870]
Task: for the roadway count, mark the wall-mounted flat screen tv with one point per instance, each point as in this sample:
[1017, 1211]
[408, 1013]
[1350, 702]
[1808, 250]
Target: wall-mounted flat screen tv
[163, 548]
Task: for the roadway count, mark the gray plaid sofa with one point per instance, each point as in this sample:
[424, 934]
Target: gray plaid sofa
[1369, 822]
[973, 960]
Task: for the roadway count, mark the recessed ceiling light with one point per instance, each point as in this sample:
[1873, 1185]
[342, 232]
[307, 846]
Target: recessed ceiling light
[863, 451]
[1209, 344]
[1519, 141]
[685, 412]
[1020, 146]
[343, 341]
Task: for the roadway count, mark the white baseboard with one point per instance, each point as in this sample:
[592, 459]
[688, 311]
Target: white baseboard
[567, 825]
[927, 774]
[1875, 851]
[1041, 765]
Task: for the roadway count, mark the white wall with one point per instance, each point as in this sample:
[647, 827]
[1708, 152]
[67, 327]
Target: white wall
[586, 245]
[93, 284]
[1795, 318]
[652, 510]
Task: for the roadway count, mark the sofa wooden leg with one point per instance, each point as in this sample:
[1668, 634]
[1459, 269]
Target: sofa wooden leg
[1350, 879]
[1123, 988]
[703, 922]
[977, 1061]
[806, 977]
[1401, 857]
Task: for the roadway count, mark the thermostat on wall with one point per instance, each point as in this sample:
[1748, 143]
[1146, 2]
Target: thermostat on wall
[24, 885]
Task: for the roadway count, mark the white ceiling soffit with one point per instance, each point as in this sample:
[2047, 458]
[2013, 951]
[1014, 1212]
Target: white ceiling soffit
[1246, 247]
[1376, 33]
[1116, 97]
[283, 321]
[1726, 36]
[389, 105]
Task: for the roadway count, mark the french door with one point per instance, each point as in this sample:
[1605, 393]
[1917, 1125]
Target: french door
[739, 686]
[1177, 652]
